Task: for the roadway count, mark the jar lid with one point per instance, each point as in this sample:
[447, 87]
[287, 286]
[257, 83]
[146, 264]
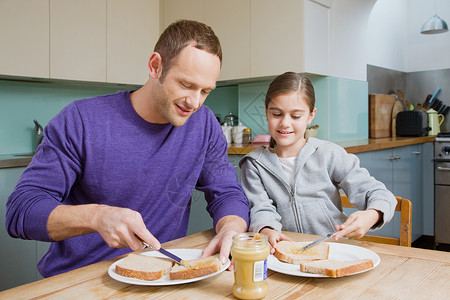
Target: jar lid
[247, 130]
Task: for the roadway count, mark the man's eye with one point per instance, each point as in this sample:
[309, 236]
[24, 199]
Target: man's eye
[185, 85]
[205, 92]
[276, 115]
[296, 117]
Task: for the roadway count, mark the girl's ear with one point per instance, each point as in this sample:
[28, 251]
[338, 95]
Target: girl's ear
[267, 119]
[155, 65]
[311, 116]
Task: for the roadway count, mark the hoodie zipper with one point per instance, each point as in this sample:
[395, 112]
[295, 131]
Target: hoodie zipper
[291, 197]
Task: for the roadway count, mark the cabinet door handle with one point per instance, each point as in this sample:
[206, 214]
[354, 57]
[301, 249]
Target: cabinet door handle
[443, 169]
[395, 157]
[417, 152]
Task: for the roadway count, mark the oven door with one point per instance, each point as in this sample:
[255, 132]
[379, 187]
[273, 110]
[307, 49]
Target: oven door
[442, 212]
[442, 173]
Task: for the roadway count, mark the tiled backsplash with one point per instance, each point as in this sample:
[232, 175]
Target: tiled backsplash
[341, 107]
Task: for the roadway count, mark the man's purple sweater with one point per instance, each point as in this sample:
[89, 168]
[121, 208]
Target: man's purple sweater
[99, 150]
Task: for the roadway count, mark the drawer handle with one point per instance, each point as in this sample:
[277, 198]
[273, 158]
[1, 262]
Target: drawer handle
[417, 153]
[394, 157]
[443, 169]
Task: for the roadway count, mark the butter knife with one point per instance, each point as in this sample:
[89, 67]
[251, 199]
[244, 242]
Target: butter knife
[172, 256]
[316, 242]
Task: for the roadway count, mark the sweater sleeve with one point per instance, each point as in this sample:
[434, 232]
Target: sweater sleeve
[263, 212]
[47, 181]
[218, 179]
[362, 189]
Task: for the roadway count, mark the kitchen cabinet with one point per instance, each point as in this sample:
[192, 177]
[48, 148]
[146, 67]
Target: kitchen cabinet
[24, 38]
[99, 40]
[400, 169]
[78, 40]
[289, 37]
[263, 38]
[18, 258]
[199, 218]
[233, 33]
[131, 34]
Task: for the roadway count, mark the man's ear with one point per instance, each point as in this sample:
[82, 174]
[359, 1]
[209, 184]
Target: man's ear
[155, 65]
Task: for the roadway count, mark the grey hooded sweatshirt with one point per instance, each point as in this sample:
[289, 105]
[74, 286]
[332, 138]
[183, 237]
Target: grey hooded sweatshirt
[313, 205]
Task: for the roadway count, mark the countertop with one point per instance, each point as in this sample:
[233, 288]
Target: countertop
[356, 146]
[403, 273]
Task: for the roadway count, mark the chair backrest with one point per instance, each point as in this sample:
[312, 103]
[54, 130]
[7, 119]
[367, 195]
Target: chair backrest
[404, 206]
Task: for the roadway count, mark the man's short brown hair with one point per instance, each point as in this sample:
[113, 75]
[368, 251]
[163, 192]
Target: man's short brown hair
[181, 34]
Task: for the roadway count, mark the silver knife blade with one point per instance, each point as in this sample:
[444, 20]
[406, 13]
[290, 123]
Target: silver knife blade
[166, 253]
[328, 236]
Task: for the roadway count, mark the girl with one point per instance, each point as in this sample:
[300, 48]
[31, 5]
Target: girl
[293, 184]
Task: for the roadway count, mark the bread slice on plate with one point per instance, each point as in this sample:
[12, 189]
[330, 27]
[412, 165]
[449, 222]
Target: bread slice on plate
[336, 268]
[289, 252]
[144, 267]
[195, 268]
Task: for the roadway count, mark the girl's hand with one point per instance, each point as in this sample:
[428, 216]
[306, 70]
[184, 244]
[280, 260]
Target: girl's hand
[358, 223]
[273, 237]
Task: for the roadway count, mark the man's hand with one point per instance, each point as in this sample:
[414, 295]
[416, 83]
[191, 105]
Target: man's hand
[358, 223]
[273, 237]
[119, 227]
[226, 228]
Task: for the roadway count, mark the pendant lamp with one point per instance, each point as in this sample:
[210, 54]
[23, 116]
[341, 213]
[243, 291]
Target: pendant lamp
[434, 24]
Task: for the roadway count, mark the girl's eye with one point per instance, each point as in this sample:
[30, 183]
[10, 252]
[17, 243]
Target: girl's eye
[296, 117]
[276, 115]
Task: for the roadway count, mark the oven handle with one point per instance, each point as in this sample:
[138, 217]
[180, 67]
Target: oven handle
[443, 169]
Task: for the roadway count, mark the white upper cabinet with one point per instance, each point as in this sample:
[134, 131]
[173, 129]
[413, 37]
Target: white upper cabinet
[293, 36]
[132, 32]
[78, 40]
[173, 10]
[24, 38]
[231, 23]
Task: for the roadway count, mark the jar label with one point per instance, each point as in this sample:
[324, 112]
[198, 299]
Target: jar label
[260, 270]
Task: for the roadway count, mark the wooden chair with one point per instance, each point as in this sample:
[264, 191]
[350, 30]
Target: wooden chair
[404, 206]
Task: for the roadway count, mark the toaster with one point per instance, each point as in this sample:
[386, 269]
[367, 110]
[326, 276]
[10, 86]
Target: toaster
[412, 123]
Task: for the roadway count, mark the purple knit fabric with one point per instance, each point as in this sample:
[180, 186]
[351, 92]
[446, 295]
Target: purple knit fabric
[99, 150]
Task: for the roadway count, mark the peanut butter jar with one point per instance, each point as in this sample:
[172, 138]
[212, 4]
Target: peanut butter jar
[249, 252]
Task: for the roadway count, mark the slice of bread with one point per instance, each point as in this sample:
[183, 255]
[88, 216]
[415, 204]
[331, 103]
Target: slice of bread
[144, 267]
[336, 268]
[195, 268]
[290, 252]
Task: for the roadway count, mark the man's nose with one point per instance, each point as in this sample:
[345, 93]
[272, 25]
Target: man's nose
[194, 101]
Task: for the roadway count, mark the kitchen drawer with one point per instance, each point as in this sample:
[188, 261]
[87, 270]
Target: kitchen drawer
[442, 173]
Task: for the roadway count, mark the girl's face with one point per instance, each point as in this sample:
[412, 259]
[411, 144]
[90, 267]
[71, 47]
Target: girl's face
[288, 116]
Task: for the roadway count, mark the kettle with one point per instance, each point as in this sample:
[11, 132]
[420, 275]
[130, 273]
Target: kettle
[38, 134]
[433, 121]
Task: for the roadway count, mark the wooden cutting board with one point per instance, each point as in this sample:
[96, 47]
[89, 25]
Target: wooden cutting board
[380, 115]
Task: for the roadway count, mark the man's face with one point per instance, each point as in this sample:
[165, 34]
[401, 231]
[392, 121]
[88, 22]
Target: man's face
[191, 78]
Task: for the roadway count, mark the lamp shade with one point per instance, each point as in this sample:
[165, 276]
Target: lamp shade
[434, 25]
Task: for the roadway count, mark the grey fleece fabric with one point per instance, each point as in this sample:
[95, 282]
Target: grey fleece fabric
[313, 206]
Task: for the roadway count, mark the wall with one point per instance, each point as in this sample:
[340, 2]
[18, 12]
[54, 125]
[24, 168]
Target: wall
[394, 39]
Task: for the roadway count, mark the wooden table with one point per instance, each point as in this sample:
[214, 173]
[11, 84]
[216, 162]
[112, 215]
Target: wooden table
[404, 273]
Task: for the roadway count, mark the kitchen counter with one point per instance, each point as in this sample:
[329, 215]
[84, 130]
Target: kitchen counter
[15, 160]
[403, 273]
[355, 146]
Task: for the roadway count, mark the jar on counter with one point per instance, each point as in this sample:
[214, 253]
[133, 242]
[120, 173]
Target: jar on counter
[227, 132]
[246, 136]
[250, 252]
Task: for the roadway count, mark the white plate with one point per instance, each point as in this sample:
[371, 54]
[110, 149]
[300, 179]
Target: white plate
[337, 251]
[183, 253]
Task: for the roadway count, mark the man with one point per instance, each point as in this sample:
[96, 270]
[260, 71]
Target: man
[116, 170]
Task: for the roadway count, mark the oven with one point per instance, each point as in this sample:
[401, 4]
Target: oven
[442, 188]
